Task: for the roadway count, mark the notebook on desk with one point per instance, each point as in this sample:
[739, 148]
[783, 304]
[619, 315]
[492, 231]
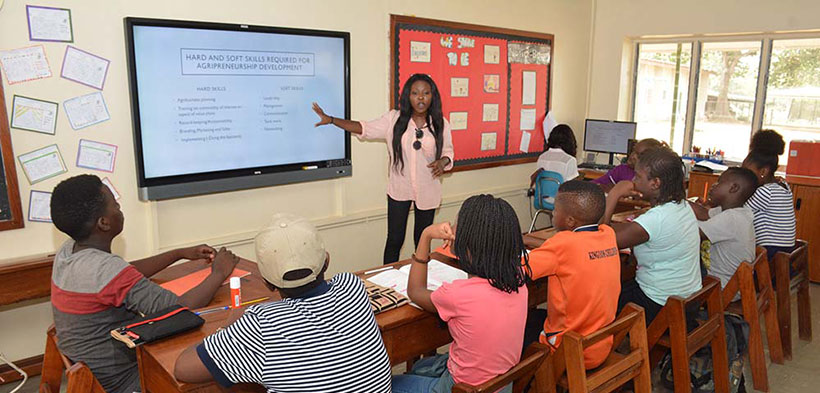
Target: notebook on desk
[438, 273]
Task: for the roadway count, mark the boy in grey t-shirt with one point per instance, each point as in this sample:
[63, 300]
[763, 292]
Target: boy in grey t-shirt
[729, 225]
[94, 291]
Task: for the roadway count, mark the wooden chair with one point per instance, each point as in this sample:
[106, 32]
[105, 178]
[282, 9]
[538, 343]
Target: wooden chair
[756, 300]
[617, 369]
[668, 330]
[786, 286]
[520, 375]
[79, 376]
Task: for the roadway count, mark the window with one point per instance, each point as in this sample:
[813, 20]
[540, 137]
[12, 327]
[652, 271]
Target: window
[729, 77]
[726, 97]
[662, 91]
[793, 92]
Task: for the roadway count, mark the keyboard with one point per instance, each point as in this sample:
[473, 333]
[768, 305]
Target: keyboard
[592, 165]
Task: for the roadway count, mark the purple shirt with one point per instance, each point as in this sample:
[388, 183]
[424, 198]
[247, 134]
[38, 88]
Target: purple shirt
[620, 172]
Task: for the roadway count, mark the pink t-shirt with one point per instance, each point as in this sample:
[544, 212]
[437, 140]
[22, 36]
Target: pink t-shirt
[487, 325]
[415, 182]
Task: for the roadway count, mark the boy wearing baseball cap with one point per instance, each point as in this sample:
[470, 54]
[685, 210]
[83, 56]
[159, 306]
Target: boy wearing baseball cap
[322, 336]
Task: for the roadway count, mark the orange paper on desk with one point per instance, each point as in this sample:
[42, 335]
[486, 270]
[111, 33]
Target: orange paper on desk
[186, 283]
[446, 251]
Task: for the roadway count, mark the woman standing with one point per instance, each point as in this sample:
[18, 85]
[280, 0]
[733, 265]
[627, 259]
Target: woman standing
[420, 150]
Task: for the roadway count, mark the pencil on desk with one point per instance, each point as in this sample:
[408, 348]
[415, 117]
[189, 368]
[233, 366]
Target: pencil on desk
[261, 299]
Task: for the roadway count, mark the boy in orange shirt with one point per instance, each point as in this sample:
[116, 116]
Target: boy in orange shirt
[583, 267]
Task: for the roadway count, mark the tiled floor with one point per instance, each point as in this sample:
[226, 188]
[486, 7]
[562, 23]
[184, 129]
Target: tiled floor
[800, 375]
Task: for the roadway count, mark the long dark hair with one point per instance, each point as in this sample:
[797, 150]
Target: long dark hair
[488, 242]
[563, 138]
[435, 118]
[765, 149]
[666, 165]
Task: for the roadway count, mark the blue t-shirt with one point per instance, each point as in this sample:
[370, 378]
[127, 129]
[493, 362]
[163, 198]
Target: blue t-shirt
[668, 263]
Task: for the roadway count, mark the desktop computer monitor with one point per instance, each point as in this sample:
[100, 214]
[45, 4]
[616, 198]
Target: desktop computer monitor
[603, 136]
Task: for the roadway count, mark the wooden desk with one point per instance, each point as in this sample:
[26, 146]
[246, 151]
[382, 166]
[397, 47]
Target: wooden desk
[407, 331]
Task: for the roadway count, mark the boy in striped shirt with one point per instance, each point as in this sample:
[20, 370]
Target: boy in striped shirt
[321, 337]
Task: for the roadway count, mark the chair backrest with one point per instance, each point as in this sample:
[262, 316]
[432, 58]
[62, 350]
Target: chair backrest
[743, 281]
[618, 368]
[672, 319]
[519, 375]
[79, 376]
[546, 188]
[795, 262]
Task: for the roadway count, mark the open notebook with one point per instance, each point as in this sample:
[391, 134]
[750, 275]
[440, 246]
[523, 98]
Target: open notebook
[437, 273]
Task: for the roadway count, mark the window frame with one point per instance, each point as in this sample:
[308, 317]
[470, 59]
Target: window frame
[697, 41]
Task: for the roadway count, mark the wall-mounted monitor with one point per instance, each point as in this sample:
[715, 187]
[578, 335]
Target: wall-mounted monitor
[220, 107]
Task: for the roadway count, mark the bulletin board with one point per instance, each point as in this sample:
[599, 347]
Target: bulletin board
[11, 213]
[494, 83]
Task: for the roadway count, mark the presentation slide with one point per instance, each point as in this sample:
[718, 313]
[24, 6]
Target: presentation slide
[609, 137]
[212, 100]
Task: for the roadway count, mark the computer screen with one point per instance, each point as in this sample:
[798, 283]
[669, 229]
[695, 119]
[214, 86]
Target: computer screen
[220, 107]
[605, 136]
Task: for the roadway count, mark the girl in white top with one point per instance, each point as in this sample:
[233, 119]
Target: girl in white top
[560, 154]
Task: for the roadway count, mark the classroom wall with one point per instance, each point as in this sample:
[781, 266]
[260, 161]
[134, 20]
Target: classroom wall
[618, 22]
[350, 212]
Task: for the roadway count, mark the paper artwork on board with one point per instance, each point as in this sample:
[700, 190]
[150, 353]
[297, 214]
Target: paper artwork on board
[489, 112]
[527, 119]
[521, 53]
[492, 54]
[488, 141]
[492, 83]
[459, 87]
[419, 52]
[458, 121]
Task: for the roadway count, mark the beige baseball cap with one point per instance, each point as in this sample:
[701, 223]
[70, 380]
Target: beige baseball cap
[289, 243]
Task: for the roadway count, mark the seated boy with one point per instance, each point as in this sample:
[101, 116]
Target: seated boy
[583, 266]
[729, 226]
[321, 337]
[94, 291]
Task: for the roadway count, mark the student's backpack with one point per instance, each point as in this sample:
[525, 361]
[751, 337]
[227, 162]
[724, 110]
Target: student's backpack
[700, 364]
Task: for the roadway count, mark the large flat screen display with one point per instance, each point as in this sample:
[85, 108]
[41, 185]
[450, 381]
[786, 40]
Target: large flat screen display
[219, 107]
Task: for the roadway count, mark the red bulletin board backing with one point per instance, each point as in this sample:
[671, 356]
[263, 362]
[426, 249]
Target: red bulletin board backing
[489, 79]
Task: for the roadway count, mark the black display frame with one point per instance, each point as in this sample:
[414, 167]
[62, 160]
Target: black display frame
[236, 179]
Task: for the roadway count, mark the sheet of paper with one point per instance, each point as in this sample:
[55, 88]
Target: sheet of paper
[42, 164]
[489, 112]
[419, 52]
[458, 121]
[525, 142]
[488, 141]
[96, 155]
[528, 88]
[25, 64]
[84, 68]
[548, 125]
[34, 115]
[49, 24]
[186, 283]
[392, 278]
[39, 206]
[86, 110]
[111, 187]
[459, 87]
[492, 54]
[711, 165]
[439, 273]
[491, 83]
[527, 119]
